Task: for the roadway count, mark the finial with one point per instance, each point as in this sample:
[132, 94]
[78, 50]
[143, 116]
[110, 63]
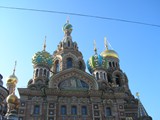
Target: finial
[137, 94]
[95, 49]
[14, 67]
[105, 43]
[44, 46]
[68, 19]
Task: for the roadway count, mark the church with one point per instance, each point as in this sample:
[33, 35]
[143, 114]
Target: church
[62, 89]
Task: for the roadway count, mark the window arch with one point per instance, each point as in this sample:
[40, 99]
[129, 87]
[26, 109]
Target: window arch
[69, 62]
[37, 72]
[45, 72]
[113, 64]
[118, 80]
[104, 76]
[69, 44]
[57, 66]
[41, 71]
[80, 65]
[97, 76]
[110, 65]
[108, 111]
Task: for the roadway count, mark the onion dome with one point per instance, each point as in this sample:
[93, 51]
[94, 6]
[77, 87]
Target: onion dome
[109, 53]
[67, 28]
[12, 79]
[96, 62]
[42, 58]
[13, 99]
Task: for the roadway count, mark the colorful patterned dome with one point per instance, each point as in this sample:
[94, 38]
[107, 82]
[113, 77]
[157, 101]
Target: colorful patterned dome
[12, 79]
[42, 58]
[96, 61]
[67, 28]
[109, 53]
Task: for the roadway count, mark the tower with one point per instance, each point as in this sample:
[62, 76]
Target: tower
[12, 100]
[42, 62]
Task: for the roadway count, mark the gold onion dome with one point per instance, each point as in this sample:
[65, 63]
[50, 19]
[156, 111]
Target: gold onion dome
[42, 58]
[12, 79]
[107, 52]
[13, 99]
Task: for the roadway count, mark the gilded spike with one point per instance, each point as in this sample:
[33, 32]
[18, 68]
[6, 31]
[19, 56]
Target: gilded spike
[44, 46]
[105, 43]
[95, 49]
[14, 67]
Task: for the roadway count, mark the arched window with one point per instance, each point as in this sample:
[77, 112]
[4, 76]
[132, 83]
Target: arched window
[63, 110]
[118, 80]
[109, 79]
[108, 111]
[40, 73]
[74, 110]
[69, 62]
[69, 43]
[84, 110]
[36, 109]
[45, 72]
[37, 72]
[104, 76]
[101, 75]
[97, 76]
[110, 65]
[80, 65]
[113, 64]
[57, 66]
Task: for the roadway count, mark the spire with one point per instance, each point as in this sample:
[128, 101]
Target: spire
[14, 67]
[141, 110]
[105, 43]
[67, 20]
[44, 45]
[95, 49]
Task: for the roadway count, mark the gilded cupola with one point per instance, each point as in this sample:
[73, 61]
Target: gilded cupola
[109, 53]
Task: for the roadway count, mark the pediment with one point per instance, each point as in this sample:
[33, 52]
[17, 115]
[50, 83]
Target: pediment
[74, 78]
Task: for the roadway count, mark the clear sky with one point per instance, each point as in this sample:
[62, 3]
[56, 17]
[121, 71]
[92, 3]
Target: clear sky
[22, 34]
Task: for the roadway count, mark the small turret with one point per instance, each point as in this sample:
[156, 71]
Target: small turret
[97, 65]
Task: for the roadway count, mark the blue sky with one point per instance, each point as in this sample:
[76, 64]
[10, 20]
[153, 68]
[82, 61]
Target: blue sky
[22, 34]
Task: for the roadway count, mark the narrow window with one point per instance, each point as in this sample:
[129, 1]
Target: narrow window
[80, 65]
[69, 62]
[104, 76]
[36, 72]
[63, 110]
[101, 75]
[118, 80]
[40, 73]
[45, 72]
[108, 111]
[68, 43]
[84, 110]
[113, 64]
[74, 110]
[109, 79]
[57, 66]
[116, 64]
[97, 76]
[110, 64]
[36, 109]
